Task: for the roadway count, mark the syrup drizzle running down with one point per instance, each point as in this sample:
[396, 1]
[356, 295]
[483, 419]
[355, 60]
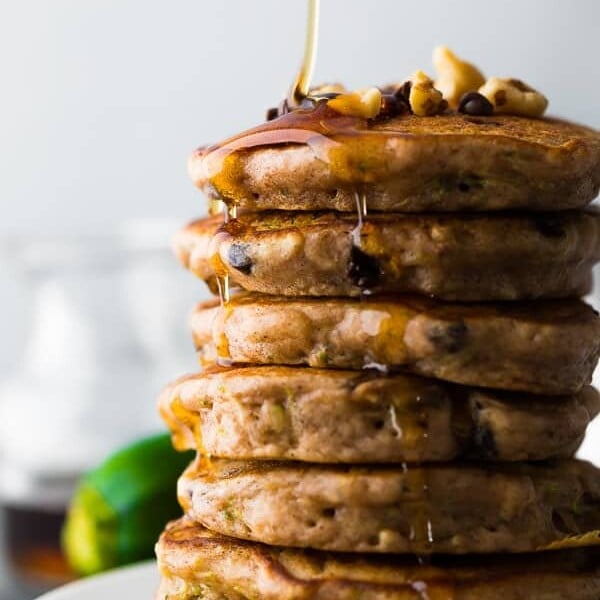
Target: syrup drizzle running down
[411, 423]
[222, 275]
[223, 357]
[361, 212]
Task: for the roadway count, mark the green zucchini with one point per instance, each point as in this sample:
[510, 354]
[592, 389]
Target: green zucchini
[119, 509]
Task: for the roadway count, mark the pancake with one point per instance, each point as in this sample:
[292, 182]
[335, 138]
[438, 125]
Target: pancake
[198, 564]
[330, 416]
[465, 258]
[546, 347]
[318, 159]
[452, 508]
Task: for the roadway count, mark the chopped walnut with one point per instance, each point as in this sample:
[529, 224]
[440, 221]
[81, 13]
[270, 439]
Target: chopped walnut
[455, 76]
[361, 103]
[425, 99]
[512, 96]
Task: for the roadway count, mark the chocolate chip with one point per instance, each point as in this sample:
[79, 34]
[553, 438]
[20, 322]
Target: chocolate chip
[392, 106]
[468, 182]
[404, 91]
[363, 270]
[401, 95]
[484, 443]
[238, 258]
[550, 226]
[448, 337]
[403, 105]
[272, 113]
[473, 103]
[389, 106]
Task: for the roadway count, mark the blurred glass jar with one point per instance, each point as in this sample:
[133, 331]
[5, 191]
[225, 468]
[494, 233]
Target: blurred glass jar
[106, 317]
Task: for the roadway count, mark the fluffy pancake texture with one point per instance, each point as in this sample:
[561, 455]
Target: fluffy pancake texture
[198, 564]
[310, 161]
[333, 416]
[454, 257]
[453, 508]
[545, 347]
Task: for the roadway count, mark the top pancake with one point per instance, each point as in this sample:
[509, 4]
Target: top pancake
[317, 159]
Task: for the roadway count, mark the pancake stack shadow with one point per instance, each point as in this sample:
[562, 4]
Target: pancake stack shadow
[393, 395]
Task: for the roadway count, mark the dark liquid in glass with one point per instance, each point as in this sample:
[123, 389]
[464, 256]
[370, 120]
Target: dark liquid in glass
[32, 546]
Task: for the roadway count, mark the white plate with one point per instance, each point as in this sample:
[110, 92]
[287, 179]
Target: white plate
[139, 582]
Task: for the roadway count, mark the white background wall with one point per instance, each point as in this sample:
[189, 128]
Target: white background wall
[102, 100]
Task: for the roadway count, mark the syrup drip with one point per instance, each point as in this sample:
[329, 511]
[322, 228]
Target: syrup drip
[222, 277]
[223, 288]
[202, 455]
[435, 590]
[203, 465]
[203, 459]
[220, 269]
[301, 87]
[421, 588]
[421, 531]
[408, 418]
[362, 266]
[361, 212]
[229, 212]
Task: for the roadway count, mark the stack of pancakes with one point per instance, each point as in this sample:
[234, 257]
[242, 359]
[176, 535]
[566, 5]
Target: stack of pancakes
[391, 404]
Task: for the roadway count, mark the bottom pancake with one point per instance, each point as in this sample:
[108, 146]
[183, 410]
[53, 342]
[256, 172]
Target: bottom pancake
[198, 564]
[453, 508]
